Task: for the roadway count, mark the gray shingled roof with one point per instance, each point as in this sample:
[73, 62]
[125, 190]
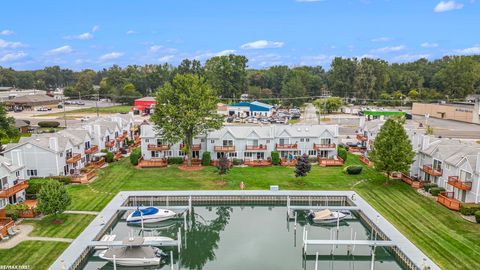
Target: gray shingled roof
[7, 163]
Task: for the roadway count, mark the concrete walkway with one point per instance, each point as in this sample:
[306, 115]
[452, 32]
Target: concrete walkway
[309, 116]
[75, 212]
[22, 234]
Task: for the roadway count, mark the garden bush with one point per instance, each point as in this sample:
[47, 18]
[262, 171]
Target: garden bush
[342, 153]
[468, 209]
[48, 124]
[175, 160]
[275, 158]
[428, 186]
[109, 157]
[12, 210]
[354, 169]
[135, 155]
[312, 159]
[436, 190]
[477, 216]
[237, 161]
[206, 158]
[34, 185]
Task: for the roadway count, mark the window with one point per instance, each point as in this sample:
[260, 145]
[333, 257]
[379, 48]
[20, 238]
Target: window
[2, 203]
[232, 154]
[32, 172]
[212, 141]
[465, 176]
[283, 141]
[302, 139]
[17, 174]
[325, 141]
[155, 154]
[181, 153]
[227, 142]
[146, 140]
[437, 164]
[87, 145]
[202, 140]
[61, 154]
[307, 139]
[312, 152]
[268, 141]
[248, 154]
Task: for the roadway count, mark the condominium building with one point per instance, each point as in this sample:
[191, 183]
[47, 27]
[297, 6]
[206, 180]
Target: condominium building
[12, 182]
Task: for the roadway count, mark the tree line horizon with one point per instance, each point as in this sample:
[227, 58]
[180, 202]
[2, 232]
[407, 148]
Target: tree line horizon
[450, 77]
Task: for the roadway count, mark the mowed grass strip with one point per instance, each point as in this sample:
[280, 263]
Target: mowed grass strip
[37, 255]
[72, 226]
[101, 110]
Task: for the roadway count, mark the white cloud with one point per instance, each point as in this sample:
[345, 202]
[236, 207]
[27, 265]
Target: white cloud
[447, 6]
[83, 36]
[166, 58]
[409, 57]
[468, 51]
[6, 32]
[9, 57]
[10, 45]
[155, 48]
[60, 50]
[262, 44]
[159, 48]
[213, 54]
[131, 32]
[389, 49]
[371, 56]
[95, 28]
[429, 45]
[316, 60]
[110, 56]
[382, 39]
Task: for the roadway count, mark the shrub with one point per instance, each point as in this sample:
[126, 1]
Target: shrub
[38, 181]
[303, 166]
[53, 198]
[342, 153]
[477, 216]
[206, 159]
[469, 209]
[312, 159]
[109, 157]
[175, 160]
[275, 158]
[223, 165]
[135, 155]
[237, 161]
[353, 169]
[34, 185]
[12, 210]
[428, 186]
[436, 190]
[48, 124]
[62, 179]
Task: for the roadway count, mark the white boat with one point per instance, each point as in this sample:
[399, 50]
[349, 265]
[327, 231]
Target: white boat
[150, 215]
[155, 241]
[133, 255]
[326, 216]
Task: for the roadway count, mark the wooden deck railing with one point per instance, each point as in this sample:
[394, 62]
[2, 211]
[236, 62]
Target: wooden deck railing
[195, 147]
[224, 148]
[430, 170]
[257, 163]
[5, 224]
[110, 144]
[286, 146]
[362, 137]
[10, 191]
[256, 147]
[287, 162]
[84, 177]
[325, 162]
[365, 160]
[447, 199]
[74, 158]
[158, 147]
[324, 146]
[456, 182]
[92, 150]
[152, 163]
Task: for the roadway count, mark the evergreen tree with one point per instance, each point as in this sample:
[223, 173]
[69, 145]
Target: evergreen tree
[223, 165]
[303, 166]
[7, 125]
[392, 150]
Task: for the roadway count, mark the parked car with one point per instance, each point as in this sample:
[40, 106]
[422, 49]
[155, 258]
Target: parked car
[43, 109]
[229, 120]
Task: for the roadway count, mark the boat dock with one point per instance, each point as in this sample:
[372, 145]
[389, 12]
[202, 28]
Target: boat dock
[329, 242]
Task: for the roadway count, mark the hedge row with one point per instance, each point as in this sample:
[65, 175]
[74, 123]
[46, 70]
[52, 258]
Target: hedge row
[48, 124]
[428, 186]
[469, 209]
[353, 169]
[436, 190]
[206, 158]
[477, 216]
[175, 160]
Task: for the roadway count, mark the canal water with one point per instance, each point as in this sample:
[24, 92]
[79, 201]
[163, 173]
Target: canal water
[255, 237]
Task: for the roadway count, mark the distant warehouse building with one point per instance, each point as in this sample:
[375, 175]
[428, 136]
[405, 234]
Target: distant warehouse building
[255, 108]
[464, 112]
[144, 105]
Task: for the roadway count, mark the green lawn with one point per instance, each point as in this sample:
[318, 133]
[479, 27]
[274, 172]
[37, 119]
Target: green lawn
[101, 110]
[36, 254]
[72, 226]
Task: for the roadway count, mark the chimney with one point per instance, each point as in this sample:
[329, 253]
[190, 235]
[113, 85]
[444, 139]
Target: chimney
[17, 157]
[425, 142]
[53, 143]
[476, 112]
[477, 165]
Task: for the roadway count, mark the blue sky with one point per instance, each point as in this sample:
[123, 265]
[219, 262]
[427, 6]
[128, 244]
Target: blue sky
[96, 34]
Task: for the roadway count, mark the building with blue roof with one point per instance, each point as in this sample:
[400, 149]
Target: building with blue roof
[255, 108]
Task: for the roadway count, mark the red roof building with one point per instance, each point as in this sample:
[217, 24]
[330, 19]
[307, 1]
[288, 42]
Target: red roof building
[144, 104]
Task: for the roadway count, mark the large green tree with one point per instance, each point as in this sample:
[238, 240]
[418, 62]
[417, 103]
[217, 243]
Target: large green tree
[53, 198]
[7, 125]
[186, 108]
[392, 149]
[227, 74]
[328, 105]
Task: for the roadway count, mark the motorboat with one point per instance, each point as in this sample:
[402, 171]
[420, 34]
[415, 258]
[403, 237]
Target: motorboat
[156, 241]
[150, 215]
[133, 255]
[326, 216]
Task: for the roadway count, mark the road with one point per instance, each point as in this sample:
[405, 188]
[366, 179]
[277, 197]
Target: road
[309, 116]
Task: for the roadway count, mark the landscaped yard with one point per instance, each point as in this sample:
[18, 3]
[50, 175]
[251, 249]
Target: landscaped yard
[72, 225]
[101, 110]
[450, 241]
[36, 254]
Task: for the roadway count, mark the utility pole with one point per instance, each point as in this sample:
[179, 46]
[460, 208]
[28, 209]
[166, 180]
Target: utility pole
[96, 101]
[64, 112]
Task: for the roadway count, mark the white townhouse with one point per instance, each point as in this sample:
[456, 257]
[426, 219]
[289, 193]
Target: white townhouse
[249, 142]
[452, 164]
[12, 181]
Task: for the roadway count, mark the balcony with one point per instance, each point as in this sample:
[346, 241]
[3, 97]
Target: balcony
[122, 137]
[287, 162]
[256, 147]
[324, 146]
[257, 163]
[152, 163]
[5, 225]
[195, 147]
[457, 183]
[224, 148]
[73, 158]
[110, 144]
[84, 177]
[447, 199]
[286, 146]
[415, 183]
[365, 160]
[327, 162]
[431, 171]
[362, 138]
[10, 191]
[92, 150]
[158, 147]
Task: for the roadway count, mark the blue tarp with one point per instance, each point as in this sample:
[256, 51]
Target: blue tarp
[146, 212]
[253, 107]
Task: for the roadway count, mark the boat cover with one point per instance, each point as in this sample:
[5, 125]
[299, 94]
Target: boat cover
[323, 214]
[146, 212]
